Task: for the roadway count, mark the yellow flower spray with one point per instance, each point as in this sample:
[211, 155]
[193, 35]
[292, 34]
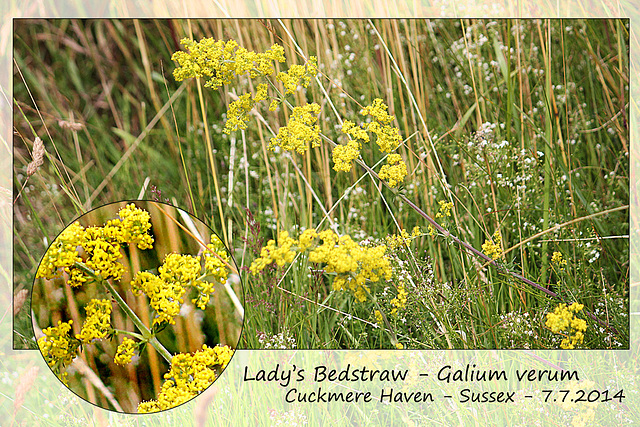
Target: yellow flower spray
[563, 319]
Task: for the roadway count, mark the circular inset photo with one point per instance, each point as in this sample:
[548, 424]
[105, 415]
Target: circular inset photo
[138, 306]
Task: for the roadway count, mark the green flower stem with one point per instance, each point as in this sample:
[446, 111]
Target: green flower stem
[133, 334]
[146, 333]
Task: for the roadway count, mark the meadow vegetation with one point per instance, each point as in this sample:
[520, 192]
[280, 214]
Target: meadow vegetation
[382, 183]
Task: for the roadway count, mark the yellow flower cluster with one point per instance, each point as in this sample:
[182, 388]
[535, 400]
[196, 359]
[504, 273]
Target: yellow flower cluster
[62, 253]
[493, 246]
[101, 246]
[190, 374]
[166, 290]
[557, 259]
[301, 131]
[163, 298]
[443, 212]
[220, 62]
[445, 209]
[563, 319]
[102, 254]
[388, 139]
[237, 113]
[306, 239]
[394, 171]
[179, 270]
[125, 351]
[344, 155]
[298, 75]
[97, 324]
[280, 254]
[216, 259]
[134, 226]
[378, 315]
[388, 136]
[237, 117]
[354, 264]
[400, 301]
[59, 348]
[395, 241]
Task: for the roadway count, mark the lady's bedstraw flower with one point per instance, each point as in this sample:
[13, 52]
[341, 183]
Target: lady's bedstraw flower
[354, 264]
[493, 246]
[378, 316]
[301, 131]
[165, 298]
[306, 239]
[401, 239]
[59, 348]
[444, 212]
[237, 115]
[190, 374]
[220, 62]
[102, 255]
[563, 319]
[400, 301]
[394, 171]
[445, 209]
[298, 75]
[97, 324]
[280, 254]
[388, 139]
[216, 259]
[166, 290]
[344, 155]
[180, 269]
[101, 246]
[125, 351]
[62, 253]
[556, 259]
[134, 227]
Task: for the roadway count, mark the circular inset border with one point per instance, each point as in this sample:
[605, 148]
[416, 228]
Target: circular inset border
[136, 306]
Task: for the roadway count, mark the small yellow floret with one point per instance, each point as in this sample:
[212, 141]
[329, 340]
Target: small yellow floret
[125, 351]
[344, 155]
[394, 171]
[493, 246]
[190, 375]
[301, 131]
[445, 209]
[563, 319]
[298, 75]
[97, 324]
